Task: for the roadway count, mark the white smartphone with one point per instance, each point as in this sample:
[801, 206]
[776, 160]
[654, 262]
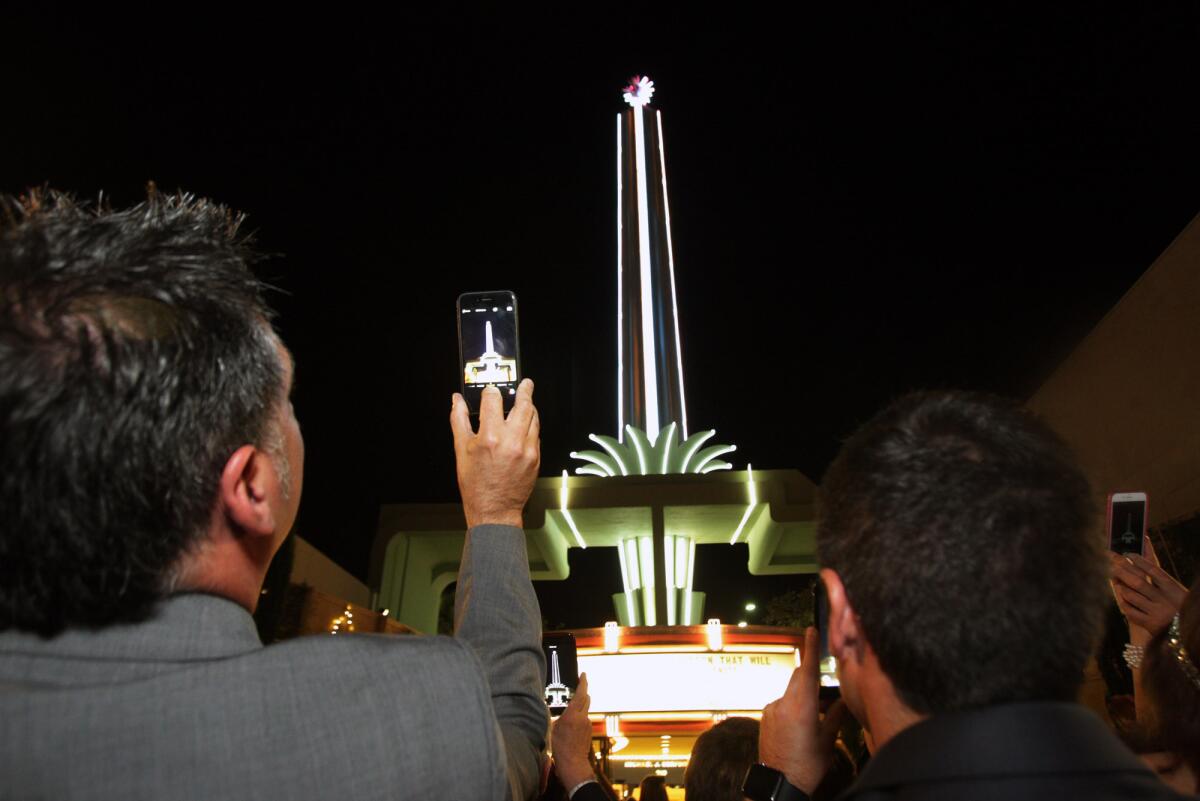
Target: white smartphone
[1127, 522]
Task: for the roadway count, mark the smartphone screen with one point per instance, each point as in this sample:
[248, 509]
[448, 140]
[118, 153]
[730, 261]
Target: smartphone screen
[562, 670]
[1126, 521]
[830, 686]
[488, 350]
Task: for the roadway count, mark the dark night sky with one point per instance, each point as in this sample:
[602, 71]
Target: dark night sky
[862, 203]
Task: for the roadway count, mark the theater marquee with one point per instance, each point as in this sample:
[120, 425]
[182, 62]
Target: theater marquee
[681, 682]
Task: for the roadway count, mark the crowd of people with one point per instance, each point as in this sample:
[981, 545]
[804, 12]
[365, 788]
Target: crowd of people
[151, 465]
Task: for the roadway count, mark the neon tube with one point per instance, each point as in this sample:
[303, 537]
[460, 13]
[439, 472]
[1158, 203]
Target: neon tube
[611, 452]
[669, 577]
[687, 593]
[562, 502]
[749, 509]
[637, 444]
[703, 438]
[629, 608]
[588, 458]
[669, 433]
[662, 162]
[718, 452]
[646, 563]
[587, 470]
[650, 365]
[620, 301]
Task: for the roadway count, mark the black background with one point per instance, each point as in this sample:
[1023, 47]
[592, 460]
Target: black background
[883, 197]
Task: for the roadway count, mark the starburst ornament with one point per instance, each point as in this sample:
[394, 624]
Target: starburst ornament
[639, 91]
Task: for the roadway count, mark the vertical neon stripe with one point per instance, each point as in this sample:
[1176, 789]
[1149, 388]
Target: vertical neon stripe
[669, 566]
[687, 592]
[650, 366]
[662, 162]
[646, 563]
[620, 300]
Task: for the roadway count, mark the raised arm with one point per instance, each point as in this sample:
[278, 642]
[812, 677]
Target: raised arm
[495, 609]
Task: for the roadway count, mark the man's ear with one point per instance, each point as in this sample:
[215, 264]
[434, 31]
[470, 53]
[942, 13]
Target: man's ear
[243, 492]
[845, 636]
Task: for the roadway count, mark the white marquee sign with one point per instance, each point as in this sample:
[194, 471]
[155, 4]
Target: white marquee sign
[680, 682]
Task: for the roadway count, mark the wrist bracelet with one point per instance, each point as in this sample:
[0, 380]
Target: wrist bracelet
[1133, 656]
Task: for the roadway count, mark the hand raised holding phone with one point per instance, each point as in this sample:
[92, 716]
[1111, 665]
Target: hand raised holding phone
[498, 465]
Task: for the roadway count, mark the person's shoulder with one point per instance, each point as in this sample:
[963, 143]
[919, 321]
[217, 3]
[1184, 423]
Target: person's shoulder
[424, 695]
[379, 657]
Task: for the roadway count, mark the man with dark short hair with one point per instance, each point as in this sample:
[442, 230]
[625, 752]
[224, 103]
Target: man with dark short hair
[150, 467]
[966, 583]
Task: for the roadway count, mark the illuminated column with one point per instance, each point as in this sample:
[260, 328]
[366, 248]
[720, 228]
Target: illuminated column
[649, 358]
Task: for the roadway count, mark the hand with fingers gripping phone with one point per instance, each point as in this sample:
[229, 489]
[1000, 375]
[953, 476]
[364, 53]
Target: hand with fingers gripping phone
[1148, 596]
[497, 465]
[793, 739]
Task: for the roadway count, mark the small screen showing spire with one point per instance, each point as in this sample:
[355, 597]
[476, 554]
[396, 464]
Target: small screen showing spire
[562, 670]
[488, 342]
[1127, 526]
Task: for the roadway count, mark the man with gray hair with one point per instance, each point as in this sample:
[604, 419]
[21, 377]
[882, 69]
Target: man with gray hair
[150, 467]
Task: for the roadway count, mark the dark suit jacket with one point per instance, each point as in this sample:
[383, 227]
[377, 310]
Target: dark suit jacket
[190, 705]
[1013, 751]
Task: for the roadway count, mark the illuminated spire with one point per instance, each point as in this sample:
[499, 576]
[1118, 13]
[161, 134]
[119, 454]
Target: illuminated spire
[649, 355]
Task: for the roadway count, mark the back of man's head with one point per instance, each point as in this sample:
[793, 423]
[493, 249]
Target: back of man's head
[720, 759]
[135, 357]
[961, 528]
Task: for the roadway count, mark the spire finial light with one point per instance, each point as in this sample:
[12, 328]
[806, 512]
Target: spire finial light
[639, 91]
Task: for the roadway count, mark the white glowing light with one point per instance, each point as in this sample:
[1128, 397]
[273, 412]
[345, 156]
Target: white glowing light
[591, 471]
[750, 607]
[662, 162]
[700, 440]
[718, 452]
[669, 569]
[687, 591]
[612, 637]
[669, 433]
[620, 304]
[646, 562]
[681, 562]
[635, 575]
[562, 507]
[746, 516]
[637, 444]
[589, 458]
[742, 624]
[639, 91]
[627, 583]
[385, 612]
[712, 468]
[649, 359]
[611, 452]
[713, 631]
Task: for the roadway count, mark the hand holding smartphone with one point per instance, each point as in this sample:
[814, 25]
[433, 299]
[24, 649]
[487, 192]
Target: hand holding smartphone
[488, 346]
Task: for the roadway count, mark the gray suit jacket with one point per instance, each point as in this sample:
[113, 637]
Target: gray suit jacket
[190, 705]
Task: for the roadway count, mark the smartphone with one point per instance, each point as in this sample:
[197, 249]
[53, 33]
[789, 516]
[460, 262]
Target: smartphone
[488, 346]
[1127, 522]
[562, 670]
[831, 687]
